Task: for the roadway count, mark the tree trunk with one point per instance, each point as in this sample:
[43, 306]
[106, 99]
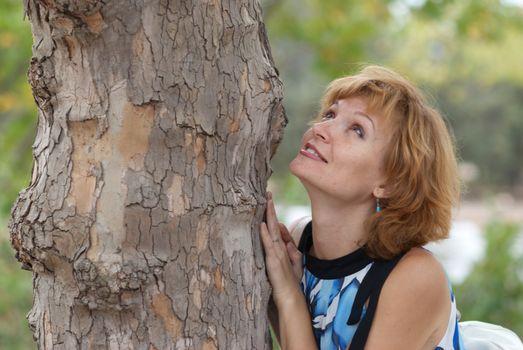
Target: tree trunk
[157, 120]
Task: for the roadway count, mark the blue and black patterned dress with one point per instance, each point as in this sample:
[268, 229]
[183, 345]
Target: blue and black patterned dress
[337, 290]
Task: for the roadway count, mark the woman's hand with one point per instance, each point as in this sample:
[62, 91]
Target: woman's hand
[283, 260]
[284, 267]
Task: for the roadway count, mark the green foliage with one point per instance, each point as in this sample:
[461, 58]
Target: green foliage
[478, 84]
[275, 345]
[17, 108]
[289, 191]
[338, 31]
[15, 301]
[493, 292]
[17, 133]
[488, 128]
[484, 20]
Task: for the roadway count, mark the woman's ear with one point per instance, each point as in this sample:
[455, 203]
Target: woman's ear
[381, 192]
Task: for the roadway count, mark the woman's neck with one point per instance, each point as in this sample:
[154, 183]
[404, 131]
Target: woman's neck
[338, 230]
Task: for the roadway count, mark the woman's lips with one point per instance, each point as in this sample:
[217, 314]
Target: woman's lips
[311, 152]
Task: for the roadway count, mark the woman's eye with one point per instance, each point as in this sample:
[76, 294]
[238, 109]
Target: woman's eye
[359, 130]
[328, 115]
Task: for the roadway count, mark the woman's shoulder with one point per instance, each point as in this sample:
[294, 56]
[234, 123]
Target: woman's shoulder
[417, 278]
[418, 272]
[414, 302]
[421, 263]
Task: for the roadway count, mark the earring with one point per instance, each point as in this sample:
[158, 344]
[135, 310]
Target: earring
[378, 207]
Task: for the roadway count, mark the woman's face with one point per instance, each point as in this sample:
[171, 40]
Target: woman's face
[343, 155]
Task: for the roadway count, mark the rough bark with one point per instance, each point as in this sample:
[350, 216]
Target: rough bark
[157, 120]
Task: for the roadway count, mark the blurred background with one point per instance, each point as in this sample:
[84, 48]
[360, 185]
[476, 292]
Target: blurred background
[466, 55]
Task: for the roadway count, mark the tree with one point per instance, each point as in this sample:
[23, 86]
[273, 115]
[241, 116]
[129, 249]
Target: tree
[156, 123]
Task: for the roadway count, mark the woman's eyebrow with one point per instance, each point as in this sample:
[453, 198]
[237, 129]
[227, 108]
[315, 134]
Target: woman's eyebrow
[366, 116]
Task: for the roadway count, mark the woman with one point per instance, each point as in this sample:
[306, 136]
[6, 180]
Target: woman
[379, 167]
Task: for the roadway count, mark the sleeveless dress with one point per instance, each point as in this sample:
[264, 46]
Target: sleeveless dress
[337, 290]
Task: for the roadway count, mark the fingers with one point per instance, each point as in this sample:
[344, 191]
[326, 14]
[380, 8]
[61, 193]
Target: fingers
[283, 260]
[270, 230]
[272, 220]
[296, 258]
[271, 241]
[294, 254]
[285, 235]
[266, 238]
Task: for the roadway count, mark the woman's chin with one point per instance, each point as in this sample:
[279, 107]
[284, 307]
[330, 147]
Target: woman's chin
[300, 171]
[294, 167]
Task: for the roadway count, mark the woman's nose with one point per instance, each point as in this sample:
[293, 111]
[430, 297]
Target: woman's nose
[321, 132]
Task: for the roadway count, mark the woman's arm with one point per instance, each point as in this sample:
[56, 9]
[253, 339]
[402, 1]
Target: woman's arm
[272, 313]
[292, 237]
[284, 265]
[295, 324]
[414, 305]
